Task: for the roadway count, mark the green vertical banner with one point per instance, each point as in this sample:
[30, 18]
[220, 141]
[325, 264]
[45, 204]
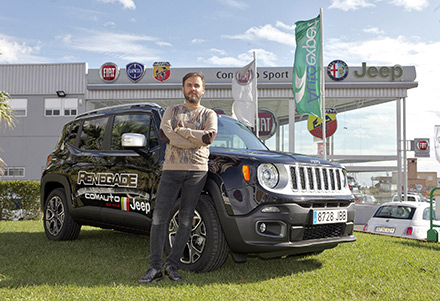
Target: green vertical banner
[307, 67]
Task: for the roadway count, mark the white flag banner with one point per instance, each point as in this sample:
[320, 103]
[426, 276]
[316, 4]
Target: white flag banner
[437, 142]
[244, 93]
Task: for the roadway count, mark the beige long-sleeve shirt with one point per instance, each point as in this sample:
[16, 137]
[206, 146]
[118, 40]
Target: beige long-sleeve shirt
[187, 129]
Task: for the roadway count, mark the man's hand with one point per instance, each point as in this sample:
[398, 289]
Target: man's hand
[163, 137]
[209, 137]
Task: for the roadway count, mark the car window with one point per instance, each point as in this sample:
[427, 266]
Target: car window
[426, 214]
[73, 133]
[234, 135]
[69, 134]
[398, 212]
[92, 134]
[132, 123]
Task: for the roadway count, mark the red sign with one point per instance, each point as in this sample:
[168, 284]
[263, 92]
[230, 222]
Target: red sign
[314, 124]
[422, 145]
[267, 123]
[109, 72]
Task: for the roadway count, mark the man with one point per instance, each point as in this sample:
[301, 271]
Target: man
[187, 129]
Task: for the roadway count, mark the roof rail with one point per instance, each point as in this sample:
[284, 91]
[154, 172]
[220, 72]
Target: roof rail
[122, 106]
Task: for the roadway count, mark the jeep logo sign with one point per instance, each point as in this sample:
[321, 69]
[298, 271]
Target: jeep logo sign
[421, 147]
[267, 123]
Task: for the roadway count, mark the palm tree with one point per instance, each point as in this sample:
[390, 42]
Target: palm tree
[6, 117]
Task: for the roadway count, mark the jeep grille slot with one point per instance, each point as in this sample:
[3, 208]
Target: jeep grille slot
[323, 231]
[314, 179]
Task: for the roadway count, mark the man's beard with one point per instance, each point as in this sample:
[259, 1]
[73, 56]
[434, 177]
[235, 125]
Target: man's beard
[193, 99]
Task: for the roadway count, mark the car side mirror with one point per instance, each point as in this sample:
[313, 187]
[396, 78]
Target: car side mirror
[132, 140]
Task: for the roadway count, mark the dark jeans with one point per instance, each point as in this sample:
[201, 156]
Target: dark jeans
[190, 183]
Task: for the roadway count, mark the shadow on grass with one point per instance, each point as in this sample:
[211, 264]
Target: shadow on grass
[420, 244]
[107, 258]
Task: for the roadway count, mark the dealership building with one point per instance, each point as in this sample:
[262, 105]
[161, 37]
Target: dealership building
[46, 96]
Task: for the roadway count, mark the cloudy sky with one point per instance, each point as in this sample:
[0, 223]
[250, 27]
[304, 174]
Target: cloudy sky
[226, 33]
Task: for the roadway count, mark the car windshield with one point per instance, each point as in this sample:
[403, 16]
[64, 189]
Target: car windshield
[398, 212]
[234, 135]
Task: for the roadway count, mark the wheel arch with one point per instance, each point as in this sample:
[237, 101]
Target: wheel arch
[53, 181]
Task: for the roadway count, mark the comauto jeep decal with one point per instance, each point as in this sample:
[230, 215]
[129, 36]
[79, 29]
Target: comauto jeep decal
[119, 198]
[107, 179]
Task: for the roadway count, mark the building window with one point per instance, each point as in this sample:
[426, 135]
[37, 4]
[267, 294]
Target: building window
[54, 107]
[14, 172]
[19, 107]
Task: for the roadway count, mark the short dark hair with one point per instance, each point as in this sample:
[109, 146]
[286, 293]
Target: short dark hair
[191, 74]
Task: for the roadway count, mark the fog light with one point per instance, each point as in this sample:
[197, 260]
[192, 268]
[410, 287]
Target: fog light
[262, 227]
[271, 209]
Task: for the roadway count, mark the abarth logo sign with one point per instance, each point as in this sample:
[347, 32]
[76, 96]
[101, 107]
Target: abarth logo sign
[314, 124]
[161, 71]
[337, 70]
[135, 71]
[109, 72]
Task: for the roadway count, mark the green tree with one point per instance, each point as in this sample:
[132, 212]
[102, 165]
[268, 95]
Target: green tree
[6, 118]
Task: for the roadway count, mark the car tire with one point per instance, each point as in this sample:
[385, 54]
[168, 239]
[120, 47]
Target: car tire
[58, 223]
[207, 248]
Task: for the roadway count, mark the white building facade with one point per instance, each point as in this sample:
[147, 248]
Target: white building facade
[46, 96]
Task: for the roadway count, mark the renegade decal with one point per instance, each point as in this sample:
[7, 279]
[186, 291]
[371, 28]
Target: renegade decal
[107, 179]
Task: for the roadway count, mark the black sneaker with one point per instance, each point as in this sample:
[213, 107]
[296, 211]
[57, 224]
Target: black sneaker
[152, 275]
[171, 272]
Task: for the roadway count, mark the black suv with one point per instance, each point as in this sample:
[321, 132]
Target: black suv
[105, 172]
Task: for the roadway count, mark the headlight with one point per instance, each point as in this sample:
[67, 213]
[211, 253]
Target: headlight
[268, 175]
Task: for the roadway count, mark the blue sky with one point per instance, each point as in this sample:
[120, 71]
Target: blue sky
[226, 33]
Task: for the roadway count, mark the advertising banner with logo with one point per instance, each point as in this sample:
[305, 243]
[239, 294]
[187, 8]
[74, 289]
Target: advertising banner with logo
[307, 67]
[437, 142]
[244, 93]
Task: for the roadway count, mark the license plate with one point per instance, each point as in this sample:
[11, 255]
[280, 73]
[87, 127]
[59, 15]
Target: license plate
[385, 230]
[329, 216]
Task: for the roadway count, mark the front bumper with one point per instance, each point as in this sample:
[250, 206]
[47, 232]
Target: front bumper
[286, 229]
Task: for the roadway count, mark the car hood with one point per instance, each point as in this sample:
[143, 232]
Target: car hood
[268, 156]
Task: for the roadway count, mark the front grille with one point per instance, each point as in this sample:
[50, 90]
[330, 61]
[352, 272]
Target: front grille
[316, 179]
[323, 231]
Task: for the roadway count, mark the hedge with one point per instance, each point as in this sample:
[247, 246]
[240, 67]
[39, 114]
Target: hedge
[19, 200]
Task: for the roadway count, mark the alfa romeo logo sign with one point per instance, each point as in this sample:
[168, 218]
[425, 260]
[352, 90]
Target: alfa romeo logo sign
[109, 72]
[337, 70]
[161, 71]
[135, 71]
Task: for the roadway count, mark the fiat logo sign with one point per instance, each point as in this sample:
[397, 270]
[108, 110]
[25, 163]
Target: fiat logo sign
[422, 145]
[267, 123]
[109, 72]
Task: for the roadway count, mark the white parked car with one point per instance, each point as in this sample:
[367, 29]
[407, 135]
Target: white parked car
[402, 219]
[412, 197]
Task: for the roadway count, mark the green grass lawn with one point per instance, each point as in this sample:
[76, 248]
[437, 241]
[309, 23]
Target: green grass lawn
[105, 265]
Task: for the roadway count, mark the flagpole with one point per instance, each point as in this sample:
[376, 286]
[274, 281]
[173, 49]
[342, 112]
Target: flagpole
[324, 123]
[257, 124]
